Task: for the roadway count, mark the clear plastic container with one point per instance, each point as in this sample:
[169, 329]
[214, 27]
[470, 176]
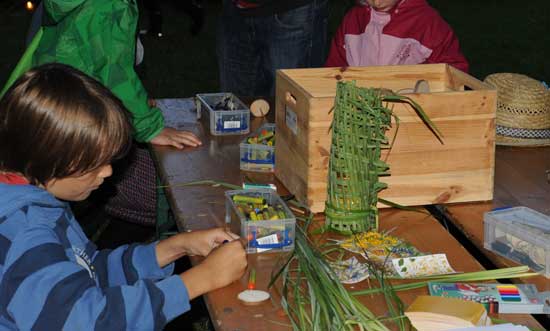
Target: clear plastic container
[258, 157]
[520, 234]
[226, 113]
[272, 235]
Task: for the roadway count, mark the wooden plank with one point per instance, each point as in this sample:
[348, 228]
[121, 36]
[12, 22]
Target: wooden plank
[228, 314]
[465, 117]
[520, 180]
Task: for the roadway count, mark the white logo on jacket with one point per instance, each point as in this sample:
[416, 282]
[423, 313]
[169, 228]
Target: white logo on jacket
[84, 260]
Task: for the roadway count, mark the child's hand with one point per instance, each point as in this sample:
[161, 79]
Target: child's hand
[202, 242]
[199, 242]
[176, 138]
[224, 265]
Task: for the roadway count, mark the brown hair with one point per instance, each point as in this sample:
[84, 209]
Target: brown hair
[56, 122]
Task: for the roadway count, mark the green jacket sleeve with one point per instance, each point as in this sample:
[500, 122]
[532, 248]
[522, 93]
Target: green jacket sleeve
[125, 84]
[59, 9]
[98, 38]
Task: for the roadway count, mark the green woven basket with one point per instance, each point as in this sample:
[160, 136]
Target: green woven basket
[358, 136]
[361, 119]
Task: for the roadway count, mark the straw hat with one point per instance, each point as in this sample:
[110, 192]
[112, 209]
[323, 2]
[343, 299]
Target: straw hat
[523, 110]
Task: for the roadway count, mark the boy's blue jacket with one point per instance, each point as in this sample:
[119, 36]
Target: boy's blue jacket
[53, 278]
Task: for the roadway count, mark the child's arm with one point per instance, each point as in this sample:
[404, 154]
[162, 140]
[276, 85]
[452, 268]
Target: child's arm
[43, 289]
[127, 264]
[65, 295]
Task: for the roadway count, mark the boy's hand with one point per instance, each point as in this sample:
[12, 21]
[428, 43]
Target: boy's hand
[199, 242]
[223, 266]
[176, 138]
[202, 242]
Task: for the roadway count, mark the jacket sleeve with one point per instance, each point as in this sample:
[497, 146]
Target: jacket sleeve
[58, 9]
[125, 84]
[337, 54]
[127, 264]
[99, 40]
[444, 43]
[66, 297]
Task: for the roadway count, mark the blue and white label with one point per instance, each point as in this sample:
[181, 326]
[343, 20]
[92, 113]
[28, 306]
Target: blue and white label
[291, 120]
[231, 124]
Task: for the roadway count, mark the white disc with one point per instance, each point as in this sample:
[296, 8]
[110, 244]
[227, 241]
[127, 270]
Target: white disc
[253, 296]
[259, 108]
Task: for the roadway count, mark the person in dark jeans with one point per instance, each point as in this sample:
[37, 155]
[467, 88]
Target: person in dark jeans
[257, 37]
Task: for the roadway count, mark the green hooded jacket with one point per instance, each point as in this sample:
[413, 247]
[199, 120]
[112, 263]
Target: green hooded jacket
[98, 37]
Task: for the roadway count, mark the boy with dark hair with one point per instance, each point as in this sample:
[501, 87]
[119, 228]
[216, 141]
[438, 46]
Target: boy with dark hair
[59, 132]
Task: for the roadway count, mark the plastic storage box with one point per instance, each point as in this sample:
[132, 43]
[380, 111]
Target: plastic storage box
[258, 157]
[226, 113]
[520, 234]
[271, 235]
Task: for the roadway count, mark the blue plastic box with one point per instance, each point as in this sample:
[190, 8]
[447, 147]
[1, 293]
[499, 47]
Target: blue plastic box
[258, 157]
[262, 235]
[520, 234]
[224, 122]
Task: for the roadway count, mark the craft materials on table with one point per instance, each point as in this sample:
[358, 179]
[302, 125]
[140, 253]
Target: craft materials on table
[498, 327]
[389, 254]
[259, 108]
[358, 137]
[520, 234]
[257, 209]
[422, 266]
[226, 113]
[428, 313]
[261, 217]
[497, 298]
[379, 248]
[257, 152]
[251, 296]
[350, 271]
[254, 186]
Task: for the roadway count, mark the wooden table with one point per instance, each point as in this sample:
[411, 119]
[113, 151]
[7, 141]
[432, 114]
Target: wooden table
[199, 207]
[520, 180]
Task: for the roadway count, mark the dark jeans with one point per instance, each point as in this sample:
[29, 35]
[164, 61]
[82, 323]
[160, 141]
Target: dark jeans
[251, 49]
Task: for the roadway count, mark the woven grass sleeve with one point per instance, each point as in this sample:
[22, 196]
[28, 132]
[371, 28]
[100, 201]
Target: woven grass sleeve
[358, 136]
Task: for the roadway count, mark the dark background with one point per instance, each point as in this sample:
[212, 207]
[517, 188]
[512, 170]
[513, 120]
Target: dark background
[495, 36]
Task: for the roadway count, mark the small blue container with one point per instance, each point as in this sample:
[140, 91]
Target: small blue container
[232, 121]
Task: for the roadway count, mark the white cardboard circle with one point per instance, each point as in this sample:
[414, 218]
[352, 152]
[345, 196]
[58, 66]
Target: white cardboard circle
[259, 108]
[253, 296]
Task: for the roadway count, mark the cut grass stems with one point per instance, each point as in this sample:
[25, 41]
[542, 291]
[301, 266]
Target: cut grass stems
[477, 276]
[313, 296]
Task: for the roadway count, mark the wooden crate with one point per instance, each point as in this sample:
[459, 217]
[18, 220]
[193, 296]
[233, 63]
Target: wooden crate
[423, 171]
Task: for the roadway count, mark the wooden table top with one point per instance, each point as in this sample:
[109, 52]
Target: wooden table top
[199, 207]
[520, 180]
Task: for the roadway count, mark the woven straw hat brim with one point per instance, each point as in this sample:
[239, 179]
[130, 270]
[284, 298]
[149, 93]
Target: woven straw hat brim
[521, 142]
[523, 103]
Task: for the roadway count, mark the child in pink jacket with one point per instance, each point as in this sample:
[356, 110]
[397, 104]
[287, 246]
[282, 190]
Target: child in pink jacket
[394, 32]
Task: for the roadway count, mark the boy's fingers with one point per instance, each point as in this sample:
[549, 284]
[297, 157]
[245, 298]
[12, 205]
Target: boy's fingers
[233, 236]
